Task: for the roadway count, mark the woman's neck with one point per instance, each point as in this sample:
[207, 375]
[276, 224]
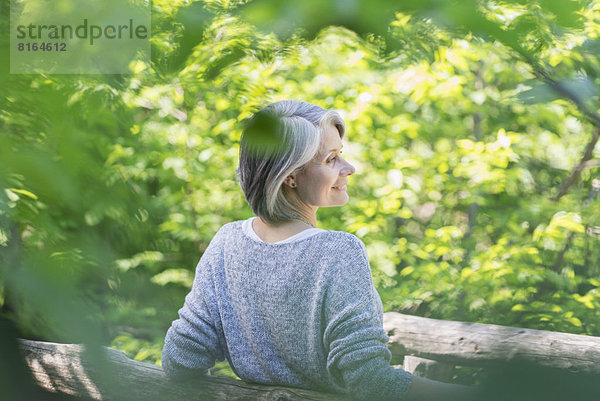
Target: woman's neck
[275, 233]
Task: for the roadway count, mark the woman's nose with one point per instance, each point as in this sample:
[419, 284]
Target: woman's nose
[348, 169]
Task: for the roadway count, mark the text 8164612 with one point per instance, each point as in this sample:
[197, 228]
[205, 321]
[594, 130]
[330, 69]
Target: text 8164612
[42, 47]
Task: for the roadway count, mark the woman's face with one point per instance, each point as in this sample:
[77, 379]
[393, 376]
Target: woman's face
[316, 185]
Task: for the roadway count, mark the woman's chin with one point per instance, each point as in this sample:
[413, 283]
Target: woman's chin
[341, 202]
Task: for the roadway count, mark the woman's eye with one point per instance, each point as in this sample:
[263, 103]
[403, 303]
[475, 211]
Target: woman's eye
[333, 158]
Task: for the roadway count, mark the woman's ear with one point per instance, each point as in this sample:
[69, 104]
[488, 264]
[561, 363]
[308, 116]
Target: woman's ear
[290, 180]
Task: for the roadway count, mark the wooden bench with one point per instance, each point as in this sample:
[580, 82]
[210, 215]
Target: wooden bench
[431, 348]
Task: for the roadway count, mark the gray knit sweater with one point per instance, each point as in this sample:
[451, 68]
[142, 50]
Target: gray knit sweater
[301, 313]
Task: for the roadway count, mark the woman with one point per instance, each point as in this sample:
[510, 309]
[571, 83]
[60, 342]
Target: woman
[284, 302]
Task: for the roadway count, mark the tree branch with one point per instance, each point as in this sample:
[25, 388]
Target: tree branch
[577, 170]
[565, 91]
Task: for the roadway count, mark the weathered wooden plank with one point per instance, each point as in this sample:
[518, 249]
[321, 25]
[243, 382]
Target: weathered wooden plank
[484, 345]
[433, 370]
[67, 369]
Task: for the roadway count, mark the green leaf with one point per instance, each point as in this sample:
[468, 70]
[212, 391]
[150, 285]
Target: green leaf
[24, 192]
[175, 276]
[539, 92]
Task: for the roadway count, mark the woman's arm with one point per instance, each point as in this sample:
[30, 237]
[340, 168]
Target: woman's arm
[191, 343]
[358, 358]
[354, 338]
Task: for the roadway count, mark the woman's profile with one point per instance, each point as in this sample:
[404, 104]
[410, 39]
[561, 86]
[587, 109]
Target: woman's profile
[284, 302]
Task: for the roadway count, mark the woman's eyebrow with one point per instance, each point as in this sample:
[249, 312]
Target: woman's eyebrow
[331, 150]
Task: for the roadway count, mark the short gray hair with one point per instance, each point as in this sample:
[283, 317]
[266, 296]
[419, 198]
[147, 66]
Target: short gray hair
[277, 141]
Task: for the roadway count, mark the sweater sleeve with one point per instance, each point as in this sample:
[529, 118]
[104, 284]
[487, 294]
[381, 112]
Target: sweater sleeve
[192, 343]
[358, 358]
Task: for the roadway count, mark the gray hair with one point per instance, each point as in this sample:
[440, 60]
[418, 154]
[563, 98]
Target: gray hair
[277, 141]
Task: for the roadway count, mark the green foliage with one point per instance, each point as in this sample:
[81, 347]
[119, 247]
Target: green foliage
[463, 119]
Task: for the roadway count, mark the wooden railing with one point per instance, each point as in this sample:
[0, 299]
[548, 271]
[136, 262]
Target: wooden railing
[430, 347]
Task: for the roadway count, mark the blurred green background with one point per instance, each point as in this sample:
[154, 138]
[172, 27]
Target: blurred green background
[465, 120]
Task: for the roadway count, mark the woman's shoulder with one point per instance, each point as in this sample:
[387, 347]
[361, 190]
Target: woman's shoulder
[344, 236]
[345, 247]
[229, 228]
[349, 256]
